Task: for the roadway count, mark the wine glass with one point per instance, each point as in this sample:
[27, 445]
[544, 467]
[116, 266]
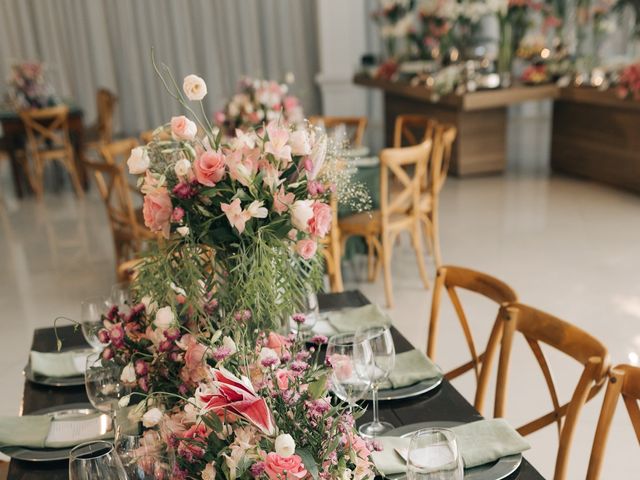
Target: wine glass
[384, 358]
[433, 455]
[95, 461]
[120, 297]
[91, 312]
[350, 360]
[103, 384]
[307, 314]
[145, 457]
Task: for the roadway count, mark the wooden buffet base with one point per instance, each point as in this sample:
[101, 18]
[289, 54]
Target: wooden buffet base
[480, 117]
[597, 135]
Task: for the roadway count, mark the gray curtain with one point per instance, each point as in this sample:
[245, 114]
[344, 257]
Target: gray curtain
[88, 44]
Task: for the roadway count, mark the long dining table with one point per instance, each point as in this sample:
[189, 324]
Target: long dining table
[444, 403]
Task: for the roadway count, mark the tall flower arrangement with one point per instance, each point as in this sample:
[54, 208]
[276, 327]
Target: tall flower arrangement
[257, 102]
[29, 88]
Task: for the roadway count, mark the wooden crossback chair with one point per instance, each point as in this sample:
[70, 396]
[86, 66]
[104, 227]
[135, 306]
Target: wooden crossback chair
[106, 102]
[540, 327]
[397, 213]
[355, 126]
[412, 129]
[332, 251]
[624, 381]
[129, 233]
[48, 140]
[117, 153]
[451, 279]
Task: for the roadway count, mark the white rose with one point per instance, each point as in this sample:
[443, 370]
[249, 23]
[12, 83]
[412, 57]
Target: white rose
[149, 304]
[183, 231]
[128, 374]
[194, 87]
[285, 445]
[299, 142]
[164, 318]
[138, 161]
[301, 213]
[152, 417]
[230, 344]
[182, 168]
[124, 401]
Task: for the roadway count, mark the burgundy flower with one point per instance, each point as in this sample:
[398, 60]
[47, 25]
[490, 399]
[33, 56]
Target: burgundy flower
[141, 367]
[103, 336]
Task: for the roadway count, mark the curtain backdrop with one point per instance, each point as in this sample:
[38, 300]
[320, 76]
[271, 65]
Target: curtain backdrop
[88, 44]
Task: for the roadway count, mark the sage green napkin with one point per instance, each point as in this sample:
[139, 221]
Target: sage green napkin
[479, 442]
[35, 431]
[350, 320]
[58, 365]
[411, 367]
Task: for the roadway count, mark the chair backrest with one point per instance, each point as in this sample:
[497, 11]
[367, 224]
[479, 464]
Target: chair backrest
[106, 105]
[412, 130]
[355, 126]
[451, 279]
[117, 153]
[624, 381]
[540, 327]
[47, 128]
[444, 136]
[405, 168]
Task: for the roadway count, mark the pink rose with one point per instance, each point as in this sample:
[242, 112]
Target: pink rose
[219, 117]
[182, 128]
[282, 200]
[277, 342]
[157, 210]
[194, 352]
[320, 223]
[284, 468]
[306, 248]
[282, 378]
[209, 168]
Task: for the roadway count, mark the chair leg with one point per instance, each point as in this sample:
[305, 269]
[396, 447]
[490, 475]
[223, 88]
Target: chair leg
[372, 274]
[417, 247]
[337, 276]
[73, 173]
[435, 238]
[386, 265]
[38, 181]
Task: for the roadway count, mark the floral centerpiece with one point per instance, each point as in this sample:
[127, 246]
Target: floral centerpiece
[28, 87]
[629, 82]
[256, 102]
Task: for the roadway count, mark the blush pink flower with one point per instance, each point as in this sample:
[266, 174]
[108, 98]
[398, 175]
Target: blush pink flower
[282, 201]
[243, 166]
[284, 468]
[182, 128]
[209, 168]
[300, 143]
[277, 144]
[320, 223]
[236, 216]
[283, 377]
[277, 342]
[306, 248]
[157, 210]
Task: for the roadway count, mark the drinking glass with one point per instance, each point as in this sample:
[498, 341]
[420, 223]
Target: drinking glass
[384, 358]
[309, 308]
[95, 461]
[91, 311]
[433, 455]
[145, 457]
[120, 297]
[350, 360]
[103, 384]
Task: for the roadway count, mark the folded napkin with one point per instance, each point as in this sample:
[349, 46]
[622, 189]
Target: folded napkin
[58, 365]
[350, 320]
[411, 367]
[42, 431]
[479, 442]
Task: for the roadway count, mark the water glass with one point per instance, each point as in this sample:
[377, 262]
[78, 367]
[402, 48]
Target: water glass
[307, 313]
[103, 384]
[433, 455]
[95, 461]
[120, 297]
[383, 353]
[91, 312]
[145, 457]
[351, 361]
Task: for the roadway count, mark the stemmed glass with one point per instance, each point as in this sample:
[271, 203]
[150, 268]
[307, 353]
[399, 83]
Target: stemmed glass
[433, 455]
[91, 311]
[145, 457]
[95, 461]
[103, 385]
[120, 297]
[350, 360]
[384, 358]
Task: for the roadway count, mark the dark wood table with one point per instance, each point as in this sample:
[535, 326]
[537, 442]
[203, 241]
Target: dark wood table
[444, 403]
[13, 139]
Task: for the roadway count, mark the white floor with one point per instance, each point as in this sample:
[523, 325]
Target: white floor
[567, 246]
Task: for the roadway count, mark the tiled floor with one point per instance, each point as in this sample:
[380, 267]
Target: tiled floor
[567, 246]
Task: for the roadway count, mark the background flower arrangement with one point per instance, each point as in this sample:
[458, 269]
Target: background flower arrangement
[29, 88]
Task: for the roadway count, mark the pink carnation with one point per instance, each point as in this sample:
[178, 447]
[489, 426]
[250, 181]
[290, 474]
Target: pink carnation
[306, 248]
